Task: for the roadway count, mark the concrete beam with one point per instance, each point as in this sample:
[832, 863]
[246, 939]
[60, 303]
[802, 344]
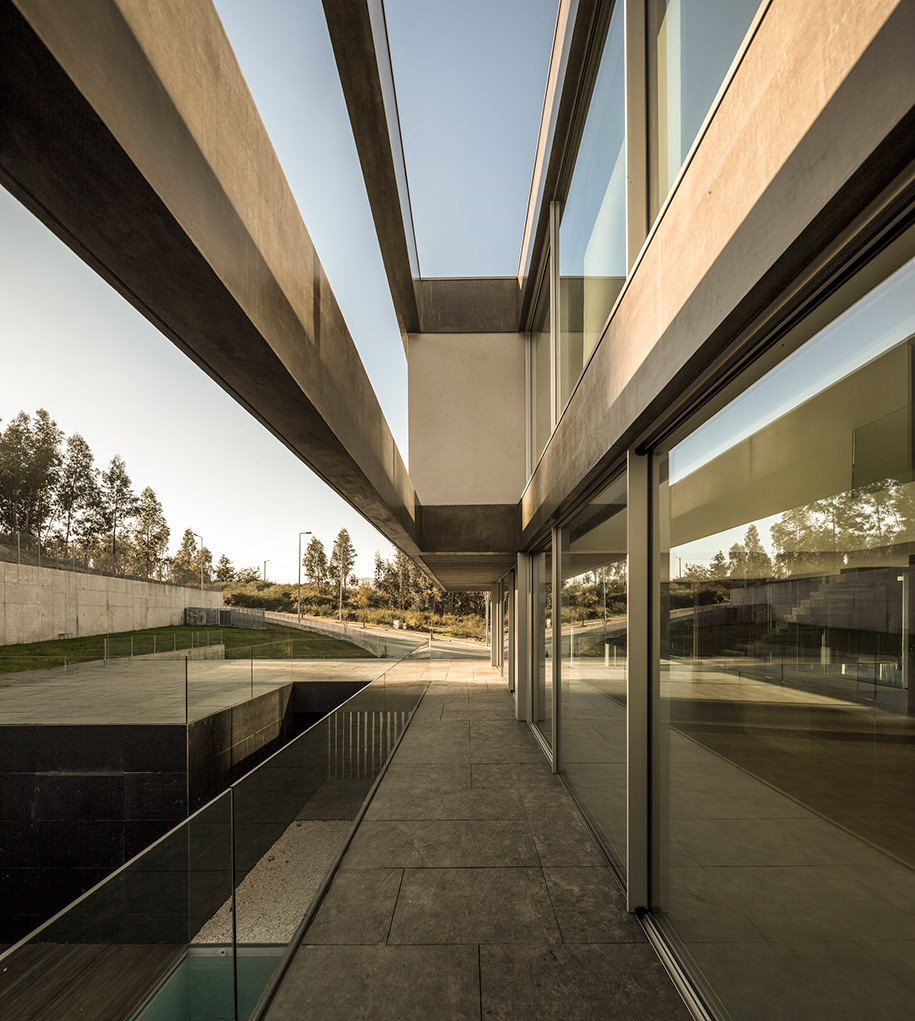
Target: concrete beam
[810, 152]
[468, 304]
[128, 129]
[359, 39]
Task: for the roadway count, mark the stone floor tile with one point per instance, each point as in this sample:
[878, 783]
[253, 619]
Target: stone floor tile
[357, 908]
[419, 800]
[441, 844]
[497, 905]
[597, 982]
[454, 775]
[560, 835]
[502, 741]
[522, 775]
[379, 983]
[590, 907]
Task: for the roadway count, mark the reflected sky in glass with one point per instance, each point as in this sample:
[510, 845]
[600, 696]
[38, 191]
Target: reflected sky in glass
[883, 318]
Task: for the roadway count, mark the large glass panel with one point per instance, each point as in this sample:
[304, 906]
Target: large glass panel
[542, 583]
[786, 711]
[541, 387]
[592, 234]
[592, 708]
[106, 955]
[691, 45]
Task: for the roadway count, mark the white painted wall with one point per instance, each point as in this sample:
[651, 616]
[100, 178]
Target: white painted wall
[39, 603]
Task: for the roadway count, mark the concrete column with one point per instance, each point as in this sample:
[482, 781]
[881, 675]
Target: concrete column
[523, 637]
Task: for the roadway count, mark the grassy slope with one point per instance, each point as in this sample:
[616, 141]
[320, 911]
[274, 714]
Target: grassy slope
[277, 642]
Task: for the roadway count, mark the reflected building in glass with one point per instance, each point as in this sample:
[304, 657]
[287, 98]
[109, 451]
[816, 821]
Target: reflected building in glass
[677, 446]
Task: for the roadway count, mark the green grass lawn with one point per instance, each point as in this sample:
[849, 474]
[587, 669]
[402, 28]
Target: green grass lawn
[276, 642]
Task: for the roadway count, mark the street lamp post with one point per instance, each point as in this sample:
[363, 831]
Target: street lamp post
[299, 602]
[200, 537]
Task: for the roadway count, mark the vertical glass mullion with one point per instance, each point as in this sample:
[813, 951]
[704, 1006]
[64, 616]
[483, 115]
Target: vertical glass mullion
[640, 667]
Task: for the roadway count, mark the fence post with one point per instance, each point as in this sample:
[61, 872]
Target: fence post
[131, 646]
[105, 656]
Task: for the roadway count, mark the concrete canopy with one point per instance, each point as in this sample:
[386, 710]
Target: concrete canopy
[109, 114]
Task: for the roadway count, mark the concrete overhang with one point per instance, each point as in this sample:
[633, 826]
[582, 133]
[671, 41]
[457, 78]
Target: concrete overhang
[129, 131]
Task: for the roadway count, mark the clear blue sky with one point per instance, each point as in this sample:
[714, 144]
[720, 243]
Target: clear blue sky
[470, 80]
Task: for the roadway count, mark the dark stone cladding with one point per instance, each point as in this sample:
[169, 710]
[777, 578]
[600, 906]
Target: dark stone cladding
[78, 801]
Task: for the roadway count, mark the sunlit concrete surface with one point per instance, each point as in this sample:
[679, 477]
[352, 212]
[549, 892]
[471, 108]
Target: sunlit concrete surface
[140, 691]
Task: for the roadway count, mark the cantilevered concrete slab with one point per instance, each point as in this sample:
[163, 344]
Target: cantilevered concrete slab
[130, 132]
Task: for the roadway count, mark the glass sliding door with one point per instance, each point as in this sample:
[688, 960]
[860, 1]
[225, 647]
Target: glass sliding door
[785, 719]
[592, 701]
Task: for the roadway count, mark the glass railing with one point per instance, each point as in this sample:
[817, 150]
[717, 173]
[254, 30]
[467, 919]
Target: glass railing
[201, 923]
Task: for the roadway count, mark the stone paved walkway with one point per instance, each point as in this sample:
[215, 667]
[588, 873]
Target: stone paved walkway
[472, 889]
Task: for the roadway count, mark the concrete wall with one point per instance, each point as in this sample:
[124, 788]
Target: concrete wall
[466, 407]
[39, 603]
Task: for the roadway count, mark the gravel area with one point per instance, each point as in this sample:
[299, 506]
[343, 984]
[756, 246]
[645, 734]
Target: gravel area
[274, 896]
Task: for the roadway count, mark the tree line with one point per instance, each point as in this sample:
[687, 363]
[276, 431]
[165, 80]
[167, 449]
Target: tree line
[397, 589]
[55, 497]
[857, 527]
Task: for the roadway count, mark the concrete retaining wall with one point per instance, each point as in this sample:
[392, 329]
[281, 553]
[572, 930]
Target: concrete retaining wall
[393, 647]
[40, 603]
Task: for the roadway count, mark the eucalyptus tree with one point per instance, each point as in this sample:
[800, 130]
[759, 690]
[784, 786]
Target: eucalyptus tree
[314, 561]
[150, 533]
[117, 503]
[77, 487]
[29, 464]
[342, 561]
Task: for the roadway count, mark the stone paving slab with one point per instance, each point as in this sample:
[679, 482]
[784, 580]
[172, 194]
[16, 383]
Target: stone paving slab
[472, 888]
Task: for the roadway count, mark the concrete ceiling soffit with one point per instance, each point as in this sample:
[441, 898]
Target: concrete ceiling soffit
[106, 139]
[567, 65]
[468, 572]
[359, 39]
[470, 529]
[469, 304]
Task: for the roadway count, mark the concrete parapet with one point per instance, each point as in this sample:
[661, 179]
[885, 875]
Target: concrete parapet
[199, 652]
[39, 604]
[392, 647]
